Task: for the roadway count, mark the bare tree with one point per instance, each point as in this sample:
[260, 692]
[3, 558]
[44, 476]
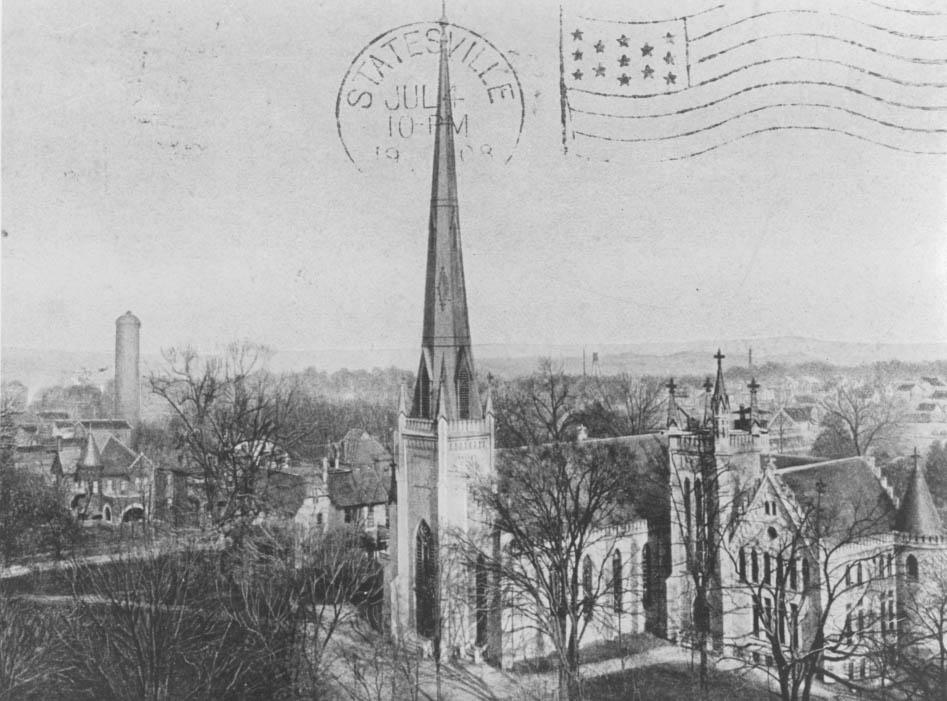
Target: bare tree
[536, 409]
[862, 417]
[30, 666]
[916, 658]
[235, 423]
[812, 585]
[623, 405]
[549, 506]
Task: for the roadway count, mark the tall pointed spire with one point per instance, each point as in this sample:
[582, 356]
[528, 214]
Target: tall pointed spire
[918, 514]
[445, 344]
[672, 403]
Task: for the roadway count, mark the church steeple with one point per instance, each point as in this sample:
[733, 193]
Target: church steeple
[446, 371]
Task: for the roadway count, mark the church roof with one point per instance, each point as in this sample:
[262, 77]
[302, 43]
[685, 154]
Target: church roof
[359, 448]
[846, 493]
[918, 514]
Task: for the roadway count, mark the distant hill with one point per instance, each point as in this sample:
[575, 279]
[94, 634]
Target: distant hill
[40, 367]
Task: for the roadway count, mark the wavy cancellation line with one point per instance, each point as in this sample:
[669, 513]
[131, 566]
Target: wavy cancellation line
[829, 37]
[759, 86]
[818, 13]
[763, 108]
[773, 129]
[779, 59]
[923, 13]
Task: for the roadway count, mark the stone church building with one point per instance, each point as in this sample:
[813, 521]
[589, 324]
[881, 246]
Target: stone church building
[710, 556]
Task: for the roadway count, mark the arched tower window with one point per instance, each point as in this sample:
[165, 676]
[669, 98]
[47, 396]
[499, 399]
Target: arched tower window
[912, 568]
[463, 389]
[587, 586]
[422, 399]
[687, 507]
[424, 580]
[646, 572]
[483, 604]
[617, 582]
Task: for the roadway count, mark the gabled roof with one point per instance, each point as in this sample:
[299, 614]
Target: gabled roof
[846, 493]
[360, 448]
[118, 460]
[799, 414]
[918, 514]
[360, 486]
[90, 457]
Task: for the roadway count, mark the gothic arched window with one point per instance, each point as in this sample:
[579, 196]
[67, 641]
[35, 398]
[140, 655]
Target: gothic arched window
[646, 572]
[482, 600]
[587, 586]
[687, 508]
[463, 390]
[617, 584]
[422, 399]
[424, 580]
[912, 567]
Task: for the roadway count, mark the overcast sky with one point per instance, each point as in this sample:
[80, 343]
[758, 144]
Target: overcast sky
[182, 160]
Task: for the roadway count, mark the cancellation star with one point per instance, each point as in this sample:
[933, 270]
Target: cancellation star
[577, 75]
[623, 79]
[670, 79]
[669, 38]
[648, 72]
[623, 40]
[646, 50]
[577, 35]
[623, 61]
[599, 71]
[599, 47]
[577, 55]
[669, 58]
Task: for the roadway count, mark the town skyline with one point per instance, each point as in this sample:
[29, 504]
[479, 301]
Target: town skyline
[261, 228]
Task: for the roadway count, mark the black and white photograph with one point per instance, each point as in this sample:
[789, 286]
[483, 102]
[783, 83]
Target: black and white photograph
[435, 350]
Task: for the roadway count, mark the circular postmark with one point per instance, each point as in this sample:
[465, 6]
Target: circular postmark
[387, 103]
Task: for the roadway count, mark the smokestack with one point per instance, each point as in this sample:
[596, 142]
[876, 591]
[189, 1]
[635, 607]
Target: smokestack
[127, 379]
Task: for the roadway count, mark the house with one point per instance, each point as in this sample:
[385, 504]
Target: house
[793, 429]
[353, 487]
[111, 485]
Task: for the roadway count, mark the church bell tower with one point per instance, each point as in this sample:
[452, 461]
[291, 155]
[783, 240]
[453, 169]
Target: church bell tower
[445, 438]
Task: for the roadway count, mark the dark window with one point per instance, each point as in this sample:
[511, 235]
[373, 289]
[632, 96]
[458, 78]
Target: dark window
[687, 508]
[482, 602]
[858, 573]
[767, 568]
[646, 573]
[754, 566]
[424, 580]
[742, 564]
[792, 573]
[805, 573]
[912, 567]
[463, 390]
[587, 586]
[617, 581]
[794, 623]
[756, 618]
[780, 582]
[423, 399]
[699, 507]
